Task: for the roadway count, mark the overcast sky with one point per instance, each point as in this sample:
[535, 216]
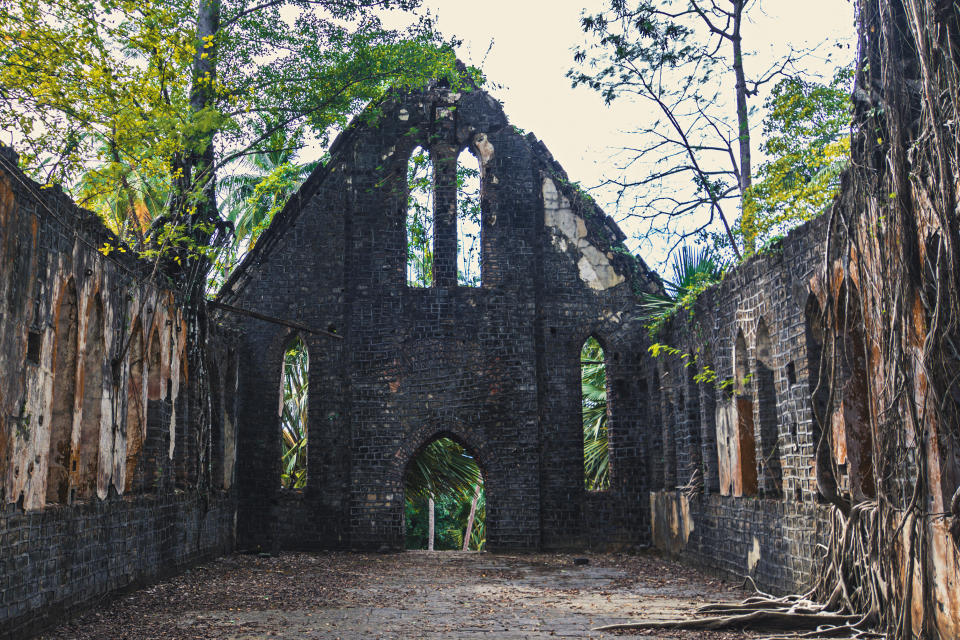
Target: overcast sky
[525, 48]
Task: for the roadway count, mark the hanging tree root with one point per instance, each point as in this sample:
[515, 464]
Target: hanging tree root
[844, 603]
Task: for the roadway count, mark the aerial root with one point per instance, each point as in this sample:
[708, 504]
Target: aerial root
[773, 620]
[844, 603]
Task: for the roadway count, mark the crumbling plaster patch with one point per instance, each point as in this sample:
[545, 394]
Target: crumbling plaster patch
[570, 235]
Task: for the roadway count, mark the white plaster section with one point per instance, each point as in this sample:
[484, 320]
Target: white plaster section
[484, 149]
[753, 556]
[570, 235]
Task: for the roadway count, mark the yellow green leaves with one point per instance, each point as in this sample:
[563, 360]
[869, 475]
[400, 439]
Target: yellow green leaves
[807, 139]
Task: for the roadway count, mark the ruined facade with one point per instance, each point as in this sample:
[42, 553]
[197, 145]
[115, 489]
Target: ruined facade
[495, 367]
[109, 480]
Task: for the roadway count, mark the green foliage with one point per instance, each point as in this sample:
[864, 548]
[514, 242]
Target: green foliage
[252, 196]
[420, 219]
[419, 222]
[450, 522]
[807, 136]
[593, 395]
[293, 416]
[694, 271]
[442, 467]
[468, 225]
[117, 99]
[445, 471]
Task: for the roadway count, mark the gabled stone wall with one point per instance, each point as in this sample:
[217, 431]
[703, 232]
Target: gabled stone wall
[496, 367]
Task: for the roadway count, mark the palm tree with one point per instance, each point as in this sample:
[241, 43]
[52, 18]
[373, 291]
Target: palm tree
[271, 176]
[293, 416]
[127, 193]
[693, 272]
[444, 468]
[593, 380]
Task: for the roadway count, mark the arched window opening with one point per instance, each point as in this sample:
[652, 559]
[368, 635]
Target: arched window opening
[655, 453]
[695, 471]
[595, 411]
[468, 220]
[419, 219]
[743, 449]
[94, 361]
[230, 419]
[293, 416]
[818, 384]
[852, 437]
[444, 499]
[770, 466]
[136, 406]
[64, 396]
[215, 443]
[675, 436]
[156, 444]
[708, 416]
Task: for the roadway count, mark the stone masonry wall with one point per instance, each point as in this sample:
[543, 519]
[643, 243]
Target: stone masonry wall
[105, 480]
[496, 367]
[739, 492]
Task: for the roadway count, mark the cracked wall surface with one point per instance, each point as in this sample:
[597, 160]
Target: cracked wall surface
[93, 395]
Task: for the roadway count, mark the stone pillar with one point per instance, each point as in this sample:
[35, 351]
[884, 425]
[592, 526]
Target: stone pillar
[444, 215]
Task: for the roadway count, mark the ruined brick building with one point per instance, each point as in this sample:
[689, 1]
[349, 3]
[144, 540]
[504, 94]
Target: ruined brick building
[106, 483]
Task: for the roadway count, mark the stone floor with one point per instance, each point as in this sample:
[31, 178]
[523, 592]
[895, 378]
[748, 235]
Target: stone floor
[416, 594]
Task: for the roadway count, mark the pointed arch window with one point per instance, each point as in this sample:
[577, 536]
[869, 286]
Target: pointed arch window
[60, 452]
[468, 220]
[595, 411]
[740, 442]
[293, 415]
[136, 405]
[419, 219]
[770, 466]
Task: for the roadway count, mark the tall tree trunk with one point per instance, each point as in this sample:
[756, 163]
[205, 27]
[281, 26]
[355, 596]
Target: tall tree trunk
[743, 128]
[473, 514]
[193, 167]
[430, 525]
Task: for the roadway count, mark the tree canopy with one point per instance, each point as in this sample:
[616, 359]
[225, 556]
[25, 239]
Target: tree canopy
[690, 171]
[124, 102]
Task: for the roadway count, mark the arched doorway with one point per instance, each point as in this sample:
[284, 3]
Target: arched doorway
[444, 498]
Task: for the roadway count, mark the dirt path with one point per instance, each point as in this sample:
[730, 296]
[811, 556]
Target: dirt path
[410, 595]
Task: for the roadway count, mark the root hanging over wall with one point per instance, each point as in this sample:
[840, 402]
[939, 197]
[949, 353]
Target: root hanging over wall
[890, 294]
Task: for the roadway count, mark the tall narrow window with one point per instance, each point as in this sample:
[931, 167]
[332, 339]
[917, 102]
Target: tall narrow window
[419, 220]
[64, 390]
[770, 466]
[853, 439]
[692, 406]
[215, 443]
[136, 406]
[818, 371]
[595, 411]
[293, 416]
[156, 443]
[230, 419]
[94, 361]
[669, 432]
[745, 469]
[468, 220]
